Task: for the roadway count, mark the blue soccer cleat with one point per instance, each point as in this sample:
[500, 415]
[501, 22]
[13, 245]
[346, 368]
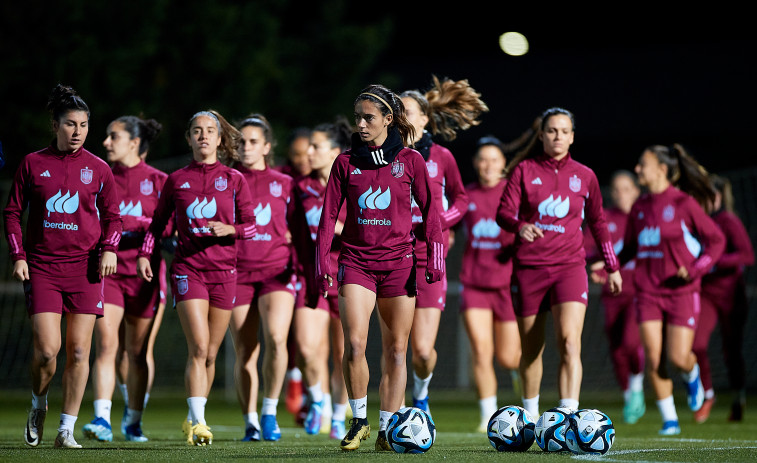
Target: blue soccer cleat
[251, 434]
[422, 404]
[134, 433]
[98, 429]
[670, 428]
[271, 431]
[313, 419]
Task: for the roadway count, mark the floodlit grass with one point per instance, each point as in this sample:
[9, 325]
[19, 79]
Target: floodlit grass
[455, 414]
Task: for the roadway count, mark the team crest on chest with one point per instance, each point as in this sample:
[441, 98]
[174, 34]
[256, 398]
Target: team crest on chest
[574, 184]
[669, 213]
[433, 169]
[146, 187]
[221, 184]
[398, 169]
[86, 176]
[275, 188]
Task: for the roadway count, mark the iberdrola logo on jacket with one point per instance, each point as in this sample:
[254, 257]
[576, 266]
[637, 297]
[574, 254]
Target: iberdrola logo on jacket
[62, 204]
[374, 200]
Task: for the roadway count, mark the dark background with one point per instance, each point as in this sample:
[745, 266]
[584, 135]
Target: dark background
[633, 77]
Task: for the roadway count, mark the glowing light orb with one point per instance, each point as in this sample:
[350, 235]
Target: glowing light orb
[513, 43]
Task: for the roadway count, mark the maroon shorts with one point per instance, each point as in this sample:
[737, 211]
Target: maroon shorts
[385, 283]
[563, 283]
[498, 300]
[248, 292]
[330, 304]
[63, 294]
[137, 297]
[218, 287]
[430, 295]
[679, 309]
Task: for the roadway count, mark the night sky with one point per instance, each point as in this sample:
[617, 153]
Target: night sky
[630, 84]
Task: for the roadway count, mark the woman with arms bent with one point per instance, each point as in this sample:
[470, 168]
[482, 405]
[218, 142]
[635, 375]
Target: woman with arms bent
[544, 203]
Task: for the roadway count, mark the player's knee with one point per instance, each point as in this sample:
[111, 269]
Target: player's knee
[46, 355]
[354, 349]
[78, 353]
[509, 360]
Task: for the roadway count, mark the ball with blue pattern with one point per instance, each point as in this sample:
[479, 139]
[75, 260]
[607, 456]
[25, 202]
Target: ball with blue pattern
[511, 429]
[411, 430]
[590, 431]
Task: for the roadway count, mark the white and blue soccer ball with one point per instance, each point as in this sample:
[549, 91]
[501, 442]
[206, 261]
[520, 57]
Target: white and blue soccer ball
[590, 431]
[550, 429]
[411, 430]
[511, 429]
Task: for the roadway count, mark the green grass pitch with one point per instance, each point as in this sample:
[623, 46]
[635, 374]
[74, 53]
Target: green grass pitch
[455, 414]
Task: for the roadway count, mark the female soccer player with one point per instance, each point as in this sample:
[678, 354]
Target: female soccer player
[448, 107]
[376, 179]
[72, 233]
[265, 282]
[210, 203]
[544, 202]
[620, 323]
[485, 300]
[724, 301]
[316, 318]
[674, 243]
[128, 298]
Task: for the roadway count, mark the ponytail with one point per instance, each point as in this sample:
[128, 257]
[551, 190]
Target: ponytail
[685, 173]
[389, 103]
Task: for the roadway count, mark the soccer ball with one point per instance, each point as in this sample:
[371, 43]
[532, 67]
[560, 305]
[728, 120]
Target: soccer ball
[511, 429]
[590, 432]
[550, 430]
[411, 430]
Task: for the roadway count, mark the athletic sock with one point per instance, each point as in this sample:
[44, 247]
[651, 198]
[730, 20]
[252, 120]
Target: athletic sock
[636, 382]
[269, 406]
[316, 392]
[359, 407]
[327, 405]
[197, 409]
[420, 386]
[667, 409]
[709, 394]
[102, 409]
[133, 416]
[295, 374]
[251, 419]
[487, 406]
[532, 405]
[571, 404]
[67, 422]
[691, 375]
[39, 402]
[384, 419]
[340, 412]
[147, 398]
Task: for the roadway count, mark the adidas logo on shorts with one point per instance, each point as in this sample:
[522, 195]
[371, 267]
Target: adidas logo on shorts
[45, 174]
[186, 185]
[356, 171]
[536, 181]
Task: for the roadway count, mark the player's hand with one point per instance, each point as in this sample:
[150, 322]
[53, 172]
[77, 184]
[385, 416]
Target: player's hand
[616, 282]
[683, 273]
[220, 229]
[108, 262]
[433, 275]
[324, 282]
[144, 271]
[21, 270]
[529, 232]
[595, 273]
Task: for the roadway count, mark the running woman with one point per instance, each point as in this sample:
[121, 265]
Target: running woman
[674, 243]
[212, 209]
[316, 318]
[72, 233]
[724, 301]
[129, 300]
[446, 108]
[265, 282]
[376, 179]
[487, 264]
[545, 201]
[620, 325]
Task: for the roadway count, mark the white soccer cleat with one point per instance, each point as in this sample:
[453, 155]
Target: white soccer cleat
[65, 440]
[35, 424]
